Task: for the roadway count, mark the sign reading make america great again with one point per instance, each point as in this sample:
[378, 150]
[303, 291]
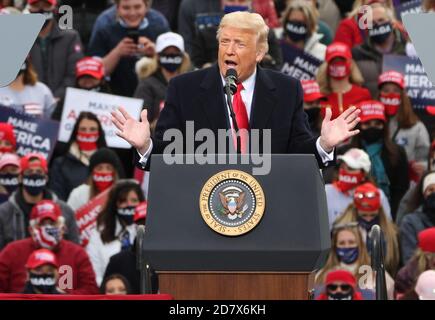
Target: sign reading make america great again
[33, 134]
[298, 64]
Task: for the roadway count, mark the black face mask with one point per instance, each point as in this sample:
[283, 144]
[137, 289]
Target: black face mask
[171, 62]
[126, 214]
[429, 206]
[345, 6]
[45, 283]
[340, 296]
[34, 184]
[9, 181]
[380, 32]
[296, 31]
[372, 135]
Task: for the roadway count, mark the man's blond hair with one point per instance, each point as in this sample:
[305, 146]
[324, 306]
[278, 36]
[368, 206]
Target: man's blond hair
[250, 21]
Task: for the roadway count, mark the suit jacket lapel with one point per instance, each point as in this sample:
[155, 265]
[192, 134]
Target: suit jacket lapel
[263, 101]
[212, 100]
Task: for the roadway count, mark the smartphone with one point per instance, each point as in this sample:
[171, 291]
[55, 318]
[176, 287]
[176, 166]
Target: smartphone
[133, 34]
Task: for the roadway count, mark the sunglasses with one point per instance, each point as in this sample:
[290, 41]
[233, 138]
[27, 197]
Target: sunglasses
[343, 287]
[367, 195]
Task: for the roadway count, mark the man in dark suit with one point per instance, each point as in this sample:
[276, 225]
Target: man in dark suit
[264, 100]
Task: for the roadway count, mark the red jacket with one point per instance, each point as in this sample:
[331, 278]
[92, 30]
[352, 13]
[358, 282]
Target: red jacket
[349, 33]
[355, 95]
[266, 8]
[14, 256]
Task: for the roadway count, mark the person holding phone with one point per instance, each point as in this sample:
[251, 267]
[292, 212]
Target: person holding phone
[122, 43]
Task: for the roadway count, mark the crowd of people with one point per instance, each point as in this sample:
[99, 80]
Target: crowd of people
[133, 48]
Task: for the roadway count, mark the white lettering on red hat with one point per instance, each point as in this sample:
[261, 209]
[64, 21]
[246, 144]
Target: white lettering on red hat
[392, 76]
[372, 109]
[44, 256]
[310, 88]
[45, 207]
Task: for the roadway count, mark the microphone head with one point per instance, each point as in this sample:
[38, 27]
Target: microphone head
[231, 73]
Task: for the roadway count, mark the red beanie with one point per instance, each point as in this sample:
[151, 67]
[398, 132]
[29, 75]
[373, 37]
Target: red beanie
[426, 240]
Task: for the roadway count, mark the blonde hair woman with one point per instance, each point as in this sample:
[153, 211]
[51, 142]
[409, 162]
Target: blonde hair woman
[340, 80]
[300, 28]
[27, 94]
[349, 252]
[367, 211]
[348, 30]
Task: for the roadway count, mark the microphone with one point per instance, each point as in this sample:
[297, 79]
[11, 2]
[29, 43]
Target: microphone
[231, 80]
[230, 89]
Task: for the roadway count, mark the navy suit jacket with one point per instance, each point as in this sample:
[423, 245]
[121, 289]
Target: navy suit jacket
[277, 105]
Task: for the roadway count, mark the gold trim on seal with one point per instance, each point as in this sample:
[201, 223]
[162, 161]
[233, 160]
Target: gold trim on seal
[245, 178]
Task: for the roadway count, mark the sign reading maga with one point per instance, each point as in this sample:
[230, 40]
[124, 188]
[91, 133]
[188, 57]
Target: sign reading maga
[33, 134]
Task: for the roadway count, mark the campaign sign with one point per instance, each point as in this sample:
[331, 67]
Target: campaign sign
[102, 104]
[86, 216]
[298, 64]
[413, 6]
[419, 88]
[33, 134]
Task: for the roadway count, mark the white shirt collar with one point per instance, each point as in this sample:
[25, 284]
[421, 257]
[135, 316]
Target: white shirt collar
[248, 84]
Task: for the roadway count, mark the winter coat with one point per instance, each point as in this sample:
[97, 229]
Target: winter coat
[100, 252]
[64, 49]
[66, 173]
[13, 273]
[369, 60]
[411, 225]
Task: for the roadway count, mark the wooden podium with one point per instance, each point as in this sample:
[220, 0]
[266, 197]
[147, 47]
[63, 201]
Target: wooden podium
[275, 260]
[237, 286]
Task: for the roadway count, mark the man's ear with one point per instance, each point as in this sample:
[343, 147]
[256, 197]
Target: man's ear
[260, 55]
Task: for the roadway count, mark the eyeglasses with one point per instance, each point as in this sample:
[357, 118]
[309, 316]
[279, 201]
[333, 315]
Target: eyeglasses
[343, 287]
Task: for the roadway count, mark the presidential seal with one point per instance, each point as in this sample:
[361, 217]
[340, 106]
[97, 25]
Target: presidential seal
[232, 202]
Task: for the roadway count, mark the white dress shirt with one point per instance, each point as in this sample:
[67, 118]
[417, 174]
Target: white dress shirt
[247, 97]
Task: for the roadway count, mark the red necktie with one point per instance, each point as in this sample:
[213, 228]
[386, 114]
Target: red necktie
[241, 117]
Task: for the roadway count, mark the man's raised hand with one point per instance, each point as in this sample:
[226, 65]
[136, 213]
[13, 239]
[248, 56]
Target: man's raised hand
[136, 133]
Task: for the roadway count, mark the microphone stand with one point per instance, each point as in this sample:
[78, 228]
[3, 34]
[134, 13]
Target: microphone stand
[233, 117]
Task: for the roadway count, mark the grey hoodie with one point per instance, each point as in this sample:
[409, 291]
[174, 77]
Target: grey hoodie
[12, 221]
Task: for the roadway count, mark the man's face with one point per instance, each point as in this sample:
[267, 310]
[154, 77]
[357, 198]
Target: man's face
[238, 49]
[5, 144]
[41, 5]
[132, 12]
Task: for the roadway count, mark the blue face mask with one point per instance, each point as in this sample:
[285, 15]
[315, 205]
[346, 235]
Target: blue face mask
[347, 255]
[230, 9]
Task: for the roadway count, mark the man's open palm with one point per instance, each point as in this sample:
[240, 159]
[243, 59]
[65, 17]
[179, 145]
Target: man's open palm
[136, 133]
